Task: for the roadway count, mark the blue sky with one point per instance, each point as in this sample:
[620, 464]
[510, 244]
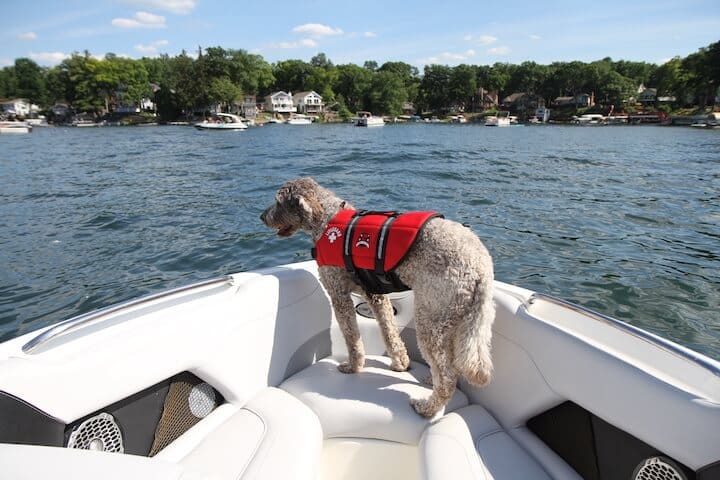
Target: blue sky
[416, 32]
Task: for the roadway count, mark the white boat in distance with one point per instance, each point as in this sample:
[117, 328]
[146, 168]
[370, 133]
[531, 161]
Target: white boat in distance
[299, 120]
[237, 378]
[222, 121]
[366, 119]
[502, 119]
[14, 127]
[590, 119]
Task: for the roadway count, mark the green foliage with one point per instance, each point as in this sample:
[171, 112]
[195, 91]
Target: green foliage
[224, 91]
[184, 85]
[388, 93]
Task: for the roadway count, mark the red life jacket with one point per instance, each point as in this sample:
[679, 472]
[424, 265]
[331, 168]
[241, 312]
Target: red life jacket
[371, 245]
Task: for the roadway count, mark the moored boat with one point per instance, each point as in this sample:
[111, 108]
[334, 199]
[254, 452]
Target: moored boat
[237, 377]
[14, 127]
[366, 119]
[501, 119]
[299, 120]
[222, 121]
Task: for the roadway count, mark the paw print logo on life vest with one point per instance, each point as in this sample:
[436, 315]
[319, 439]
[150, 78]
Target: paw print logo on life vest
[363, 240]
[333, 233]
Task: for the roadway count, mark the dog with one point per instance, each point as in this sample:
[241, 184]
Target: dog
[448, 268]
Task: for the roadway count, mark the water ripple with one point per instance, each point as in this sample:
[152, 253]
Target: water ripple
[621, 220]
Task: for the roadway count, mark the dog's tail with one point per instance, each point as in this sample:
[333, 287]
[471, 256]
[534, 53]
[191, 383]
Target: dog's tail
[474, 334]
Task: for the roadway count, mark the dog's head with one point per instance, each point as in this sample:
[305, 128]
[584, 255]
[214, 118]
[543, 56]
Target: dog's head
[297, 207]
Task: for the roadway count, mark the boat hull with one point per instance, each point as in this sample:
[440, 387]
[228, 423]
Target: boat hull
[210, 126]
[247, 333]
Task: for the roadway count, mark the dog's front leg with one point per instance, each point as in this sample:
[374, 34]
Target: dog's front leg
[338, 287]
[345, 314]
[382, 308]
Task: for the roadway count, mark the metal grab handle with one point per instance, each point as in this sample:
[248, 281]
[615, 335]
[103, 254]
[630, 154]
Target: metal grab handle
[660, 342]
[81, 320]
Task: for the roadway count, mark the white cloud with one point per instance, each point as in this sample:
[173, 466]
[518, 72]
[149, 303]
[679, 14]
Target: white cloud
[151, 48]
[535, 37]
[467, 38]
[499, 50]
[141, 20]
[304, 43]
[27, 36]
[486, 40]
[5, 62]
[317, 30]
[49, 58]
[180, 7]
[370, 34]
[447, 57]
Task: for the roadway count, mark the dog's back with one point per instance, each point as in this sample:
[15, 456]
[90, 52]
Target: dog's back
[451, 274]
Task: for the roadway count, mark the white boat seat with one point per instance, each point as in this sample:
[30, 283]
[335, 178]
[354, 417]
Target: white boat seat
[272, 436]
[374, 403]
[32, 462]
[472, 445]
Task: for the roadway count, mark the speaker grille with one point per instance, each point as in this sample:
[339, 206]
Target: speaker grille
[188, 400]
[99, 433]
[658, 468]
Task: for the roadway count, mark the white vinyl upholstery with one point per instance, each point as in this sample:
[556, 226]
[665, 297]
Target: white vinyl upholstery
[472, 445]
[272, 436]
[374, 403]
[31, 462]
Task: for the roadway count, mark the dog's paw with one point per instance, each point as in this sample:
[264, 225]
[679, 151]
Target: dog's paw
[347, 367]
[400, 363]
[424, 407]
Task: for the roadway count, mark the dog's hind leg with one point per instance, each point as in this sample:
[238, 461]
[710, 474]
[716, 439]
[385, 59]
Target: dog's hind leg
[383, 310]
[434, 346]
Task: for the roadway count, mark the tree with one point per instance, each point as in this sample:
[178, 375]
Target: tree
[224, 91]
[251, 72]
[462, 85]
[30, 81]
[409, 76]
[320, 61]
[353, 83]
[388, 93]
[528, 77]
[370, 65]
[668, 78]
[292, 75]
[435, 87]
[8, 82]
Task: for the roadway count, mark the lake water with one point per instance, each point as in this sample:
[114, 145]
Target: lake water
[622, 220]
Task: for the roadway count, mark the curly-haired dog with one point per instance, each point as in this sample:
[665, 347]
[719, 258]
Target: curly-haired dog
[450, 272]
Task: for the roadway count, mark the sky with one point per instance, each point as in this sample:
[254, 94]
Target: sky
[417, 32]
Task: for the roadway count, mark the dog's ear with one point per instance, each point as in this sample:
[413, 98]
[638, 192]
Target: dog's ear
[288, 195]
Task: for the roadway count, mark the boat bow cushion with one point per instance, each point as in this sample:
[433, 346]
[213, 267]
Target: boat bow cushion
[374, 403]
[272, 436]
[472, 445]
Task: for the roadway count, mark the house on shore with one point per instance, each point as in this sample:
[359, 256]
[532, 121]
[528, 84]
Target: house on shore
[487, 99]
[649, 96]
[581, 100]
[20, 107]
[249, 107]
[522, 102]
[279, 102]
[309, 103]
